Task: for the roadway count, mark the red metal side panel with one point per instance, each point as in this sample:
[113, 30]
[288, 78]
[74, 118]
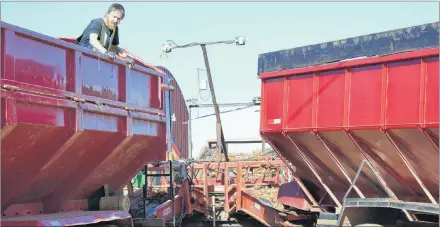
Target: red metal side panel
[99, 79]
[380, 109]
[366, 95]
[180, 126]
[272, 93]
[71, 122]
[331, 99]
[431, 113]
[403, 92]
[301, 87]
[180, 111]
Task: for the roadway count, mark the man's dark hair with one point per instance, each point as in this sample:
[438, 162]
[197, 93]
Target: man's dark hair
[116, 6]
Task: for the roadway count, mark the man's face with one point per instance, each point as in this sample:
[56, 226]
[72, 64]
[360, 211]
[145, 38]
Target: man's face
[114, 18]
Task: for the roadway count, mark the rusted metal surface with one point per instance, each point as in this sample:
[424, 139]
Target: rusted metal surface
[70, 218]
[292, 195]
[70, 124]
[328, 118]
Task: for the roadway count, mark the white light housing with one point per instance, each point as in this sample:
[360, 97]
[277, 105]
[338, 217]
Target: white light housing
[240, 40]
[167, 47]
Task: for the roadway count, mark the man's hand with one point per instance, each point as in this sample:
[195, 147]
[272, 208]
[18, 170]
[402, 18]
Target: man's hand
[110, 54]
[119, 51]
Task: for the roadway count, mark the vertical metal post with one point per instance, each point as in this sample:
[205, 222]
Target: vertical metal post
[226, 188]
[213, 210]
[189, 134]
[172, 190]
[205, 189]
[145, 191]
[220, 136]
[168, 114]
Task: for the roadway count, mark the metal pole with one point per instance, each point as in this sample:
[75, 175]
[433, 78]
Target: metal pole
[145, 190]
[198, 85]
[168, 116]
[220, 137]
[172, 190]
[213, 210]
[189, 134]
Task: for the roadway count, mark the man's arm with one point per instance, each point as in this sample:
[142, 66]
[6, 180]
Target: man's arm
[95, 43]
[124, 55]
[95, 30]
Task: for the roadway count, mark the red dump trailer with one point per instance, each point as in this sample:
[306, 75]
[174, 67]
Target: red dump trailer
[357, 121]
[76, 126]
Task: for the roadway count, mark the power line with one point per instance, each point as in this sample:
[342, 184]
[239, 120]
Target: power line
[221, 105]
[227, 111]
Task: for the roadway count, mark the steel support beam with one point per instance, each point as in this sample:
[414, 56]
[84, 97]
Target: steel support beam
[307, 161]
[410, 168]
[339, 164]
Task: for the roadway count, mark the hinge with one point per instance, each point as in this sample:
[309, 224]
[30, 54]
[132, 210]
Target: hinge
[167, 87]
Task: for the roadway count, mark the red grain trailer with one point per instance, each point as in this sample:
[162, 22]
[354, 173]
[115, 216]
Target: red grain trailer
[76, 127]
[357, 121]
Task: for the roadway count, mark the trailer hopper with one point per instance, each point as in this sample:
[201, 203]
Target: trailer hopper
[373, 99]
[73, 121]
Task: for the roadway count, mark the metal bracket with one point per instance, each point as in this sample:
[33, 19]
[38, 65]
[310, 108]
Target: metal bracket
[167, 87]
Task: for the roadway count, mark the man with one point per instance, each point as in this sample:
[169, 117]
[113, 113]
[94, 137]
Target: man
[102, 34]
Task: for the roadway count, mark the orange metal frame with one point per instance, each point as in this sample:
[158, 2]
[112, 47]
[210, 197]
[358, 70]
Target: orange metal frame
[236, 195]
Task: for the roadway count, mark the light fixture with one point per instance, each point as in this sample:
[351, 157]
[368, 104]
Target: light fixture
[167, 47]
[240, 41]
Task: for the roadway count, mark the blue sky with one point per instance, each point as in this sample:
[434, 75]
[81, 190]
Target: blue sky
[266, 26]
